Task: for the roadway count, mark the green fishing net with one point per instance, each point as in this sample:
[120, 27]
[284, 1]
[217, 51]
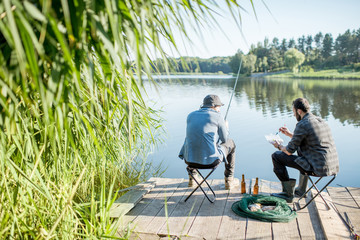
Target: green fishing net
[281, 212]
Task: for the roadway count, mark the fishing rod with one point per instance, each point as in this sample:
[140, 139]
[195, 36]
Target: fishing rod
[232, 94]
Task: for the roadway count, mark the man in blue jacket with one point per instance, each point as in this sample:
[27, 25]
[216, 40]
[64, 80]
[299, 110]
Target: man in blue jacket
[207, 139]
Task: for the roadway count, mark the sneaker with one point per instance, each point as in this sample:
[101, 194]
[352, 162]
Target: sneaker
[229, 183]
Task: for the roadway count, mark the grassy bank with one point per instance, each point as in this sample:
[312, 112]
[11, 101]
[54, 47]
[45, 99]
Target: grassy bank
[322, 74]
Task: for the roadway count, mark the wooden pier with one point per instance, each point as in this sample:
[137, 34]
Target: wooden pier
[156, 210]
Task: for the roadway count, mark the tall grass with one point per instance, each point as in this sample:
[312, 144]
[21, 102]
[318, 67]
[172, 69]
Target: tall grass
[74, 125]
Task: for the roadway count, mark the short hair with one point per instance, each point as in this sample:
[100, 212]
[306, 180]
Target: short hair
[302, 104]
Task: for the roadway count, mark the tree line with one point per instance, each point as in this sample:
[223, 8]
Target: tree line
[321, 51]
[195, 65]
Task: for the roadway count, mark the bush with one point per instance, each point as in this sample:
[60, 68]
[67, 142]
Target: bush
[306, 69]
[356, 67]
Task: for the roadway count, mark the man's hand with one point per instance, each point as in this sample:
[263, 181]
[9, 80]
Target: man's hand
[285, 131]
[276, 145]
[281, 147]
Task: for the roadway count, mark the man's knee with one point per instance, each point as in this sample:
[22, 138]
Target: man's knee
[275, 156]
[232, 144]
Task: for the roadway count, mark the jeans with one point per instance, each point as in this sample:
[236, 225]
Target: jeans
[280, 161]
[229, 151]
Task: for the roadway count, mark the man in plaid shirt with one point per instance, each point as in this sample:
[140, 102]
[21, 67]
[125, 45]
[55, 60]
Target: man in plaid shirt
[313, 141]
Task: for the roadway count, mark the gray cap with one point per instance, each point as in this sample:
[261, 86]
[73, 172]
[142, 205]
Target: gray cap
[211, 101]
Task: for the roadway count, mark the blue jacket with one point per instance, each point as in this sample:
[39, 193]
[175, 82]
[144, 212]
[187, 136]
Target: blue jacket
[205, 127]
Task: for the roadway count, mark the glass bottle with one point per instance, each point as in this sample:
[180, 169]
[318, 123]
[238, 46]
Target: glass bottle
[256, 187]
[243, 185]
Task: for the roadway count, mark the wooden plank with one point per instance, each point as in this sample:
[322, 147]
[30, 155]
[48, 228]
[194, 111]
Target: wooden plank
[133, 213]
[308, 222]
[305, 224]
[126, 202]
[355, 193]
[284, 230]
[345, 202]
[257, 229]
[233, 226]
[166, 188]
[207, 221]
[184, 214]
[331, 223]
[161, 218]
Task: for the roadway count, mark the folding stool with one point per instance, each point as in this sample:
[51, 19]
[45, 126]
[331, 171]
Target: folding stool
[318, 191]
[196, 166]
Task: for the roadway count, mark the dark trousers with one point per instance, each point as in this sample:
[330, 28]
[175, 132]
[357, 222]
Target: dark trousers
[229, 152]
[280, 161]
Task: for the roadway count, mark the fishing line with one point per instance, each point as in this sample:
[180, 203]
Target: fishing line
[232, 94]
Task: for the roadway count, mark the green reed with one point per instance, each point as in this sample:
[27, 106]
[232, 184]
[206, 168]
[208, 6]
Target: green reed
[74, 125]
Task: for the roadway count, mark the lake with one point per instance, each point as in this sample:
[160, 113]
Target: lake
[259, 107]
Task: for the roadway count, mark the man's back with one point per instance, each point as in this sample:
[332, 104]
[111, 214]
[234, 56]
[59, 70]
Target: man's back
[204, 128]
[318, 146]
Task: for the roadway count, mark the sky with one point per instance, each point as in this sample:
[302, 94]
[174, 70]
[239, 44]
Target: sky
[286, 19]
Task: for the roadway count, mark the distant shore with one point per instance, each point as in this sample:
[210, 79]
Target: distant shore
[322, 74]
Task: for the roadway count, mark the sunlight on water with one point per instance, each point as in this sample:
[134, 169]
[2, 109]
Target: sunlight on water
[259, 107]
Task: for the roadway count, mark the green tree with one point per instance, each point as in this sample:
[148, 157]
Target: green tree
[301, 44]
[327, 46]
[292, 43]
[293, 59]
[284, 46]
[275, 43]
[318, 40]
[248, 62]
[275, 59]
[309, 41]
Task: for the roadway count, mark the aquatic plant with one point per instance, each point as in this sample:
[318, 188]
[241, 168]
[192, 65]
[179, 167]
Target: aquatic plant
[74, 125]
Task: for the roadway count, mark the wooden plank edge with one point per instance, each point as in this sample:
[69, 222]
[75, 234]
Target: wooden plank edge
[126, 202]
[319, 207]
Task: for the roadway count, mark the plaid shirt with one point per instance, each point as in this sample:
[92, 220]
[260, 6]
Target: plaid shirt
[316, 148]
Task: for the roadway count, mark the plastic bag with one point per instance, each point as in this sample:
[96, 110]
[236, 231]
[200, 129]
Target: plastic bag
[272, 138]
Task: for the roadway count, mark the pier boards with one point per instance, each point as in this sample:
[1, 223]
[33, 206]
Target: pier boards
[156, 210]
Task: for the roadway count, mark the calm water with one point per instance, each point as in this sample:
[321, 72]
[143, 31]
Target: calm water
[259, 107]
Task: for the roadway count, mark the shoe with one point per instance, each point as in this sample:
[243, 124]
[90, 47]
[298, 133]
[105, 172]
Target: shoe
[229, 183]
[301, 188]
[288, 191]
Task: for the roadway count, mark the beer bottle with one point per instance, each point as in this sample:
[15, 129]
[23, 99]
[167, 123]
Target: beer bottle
[243, 185]
[256, 187]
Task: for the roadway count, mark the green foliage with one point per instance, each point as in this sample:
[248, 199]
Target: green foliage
[321, 51]
[248, 63]
[356, 67]
[74, 125]
[293, 59]
[194, 65]
[306, 69]
[341, 73]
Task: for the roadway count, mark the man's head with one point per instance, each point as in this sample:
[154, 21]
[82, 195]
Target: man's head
[212, 101]
[301, 106]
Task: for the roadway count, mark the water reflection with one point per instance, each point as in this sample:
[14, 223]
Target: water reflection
[339, 98]
[259, 107]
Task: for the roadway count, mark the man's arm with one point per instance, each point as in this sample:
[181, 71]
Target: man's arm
[281, 148]
[223, 130]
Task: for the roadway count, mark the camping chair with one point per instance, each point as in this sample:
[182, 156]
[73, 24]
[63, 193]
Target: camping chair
[196, 166]
[318, 191]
